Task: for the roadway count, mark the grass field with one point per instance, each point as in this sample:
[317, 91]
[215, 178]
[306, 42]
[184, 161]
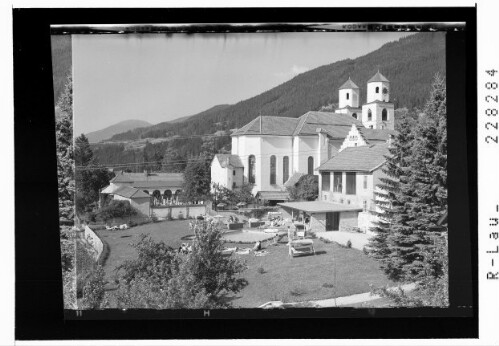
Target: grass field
[333, 272]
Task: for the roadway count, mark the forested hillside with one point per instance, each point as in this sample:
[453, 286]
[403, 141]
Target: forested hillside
[122, 126]
[409, 63]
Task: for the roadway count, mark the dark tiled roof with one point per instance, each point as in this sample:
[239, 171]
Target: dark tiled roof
[337, 125]
[376, 134]
[378, 77]
[158, 184]
[319, 207]
[293, 179]
[164, 179]
[357, 159]
[229, 160]
[349, 84]
[273, 195]
[130, 192]
[270, 125]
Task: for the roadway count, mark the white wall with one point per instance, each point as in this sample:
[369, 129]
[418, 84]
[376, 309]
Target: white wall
[279, 146]
[373, 96]
[307, 146]
[360, 196]
[353, 101]
[219, 175]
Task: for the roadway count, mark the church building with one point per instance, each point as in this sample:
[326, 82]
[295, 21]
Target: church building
[273, 150]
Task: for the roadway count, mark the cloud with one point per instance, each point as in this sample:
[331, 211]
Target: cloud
[295, 70]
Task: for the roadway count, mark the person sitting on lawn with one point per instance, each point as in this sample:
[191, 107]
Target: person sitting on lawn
[258, 246]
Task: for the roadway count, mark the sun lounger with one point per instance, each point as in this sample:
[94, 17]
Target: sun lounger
[301, 247]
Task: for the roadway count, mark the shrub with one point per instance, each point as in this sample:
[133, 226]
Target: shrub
[328, 285]
[349, 244]
[116, 209]
[93, 291]
[261, 270]
[365, 251]
[161, 278]
[132, 223]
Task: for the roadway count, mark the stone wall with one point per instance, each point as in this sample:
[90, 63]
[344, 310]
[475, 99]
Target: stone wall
[174, 211]
[348, 220]
[94, 241]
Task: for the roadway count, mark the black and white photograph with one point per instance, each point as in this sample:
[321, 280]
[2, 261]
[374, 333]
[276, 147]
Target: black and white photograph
[257, 170]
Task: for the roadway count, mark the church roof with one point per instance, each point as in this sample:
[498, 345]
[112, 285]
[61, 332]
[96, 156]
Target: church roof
[268, 125]
[229, 160]
[357, 159]
[337, 125]
[378, 77]
[349, 84]
[376, 134]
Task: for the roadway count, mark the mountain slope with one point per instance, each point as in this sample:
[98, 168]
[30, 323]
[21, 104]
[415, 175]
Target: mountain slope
[159, 130]
[108, 132]
[409, 63]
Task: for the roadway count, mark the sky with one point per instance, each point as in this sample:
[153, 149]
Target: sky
[158, 77]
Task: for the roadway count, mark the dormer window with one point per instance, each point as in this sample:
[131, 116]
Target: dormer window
[354, 115]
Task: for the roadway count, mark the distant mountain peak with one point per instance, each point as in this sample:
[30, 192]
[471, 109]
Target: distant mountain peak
[122, 126]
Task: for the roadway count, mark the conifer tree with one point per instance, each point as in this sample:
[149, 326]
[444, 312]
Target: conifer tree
[64, 146]
[389, 200]
[428, 178]
[413, 196]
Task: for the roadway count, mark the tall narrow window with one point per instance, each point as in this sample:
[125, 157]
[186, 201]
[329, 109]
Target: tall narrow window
[310, 165]
[365, 181]
[369, 115]
[377, 90]
[337, 182]
[285, 169]
[326, 181]
[351, 186]
[251, 169]
[272, 170]
[384, 115]
[348, 96]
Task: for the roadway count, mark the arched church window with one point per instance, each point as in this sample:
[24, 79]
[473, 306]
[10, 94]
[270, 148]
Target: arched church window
[272, 170]
[377, 90]
[369, 115]
[348, 96]
[385, 91]
[310, 165]
[354, 115]
[384, 115]
[285, 169]
[251, 169]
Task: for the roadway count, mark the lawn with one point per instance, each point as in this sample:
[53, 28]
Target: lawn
[333, 272]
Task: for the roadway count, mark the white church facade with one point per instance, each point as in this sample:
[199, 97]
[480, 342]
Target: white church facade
[273, 150]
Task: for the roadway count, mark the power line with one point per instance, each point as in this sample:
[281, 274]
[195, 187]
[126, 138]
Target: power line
[185, 161]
